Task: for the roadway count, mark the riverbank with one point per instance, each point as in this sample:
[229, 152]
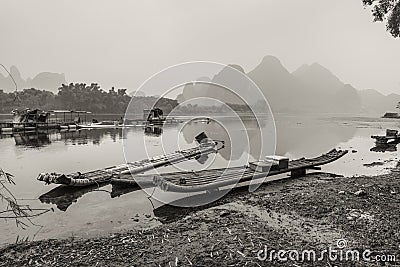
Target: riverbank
[307, 214]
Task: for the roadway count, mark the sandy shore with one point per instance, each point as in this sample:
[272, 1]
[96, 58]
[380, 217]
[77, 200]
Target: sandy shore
[319, 213]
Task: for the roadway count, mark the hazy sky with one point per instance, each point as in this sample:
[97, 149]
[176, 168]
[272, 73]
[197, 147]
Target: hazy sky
[122, 43]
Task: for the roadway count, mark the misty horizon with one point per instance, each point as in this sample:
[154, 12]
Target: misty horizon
[123, 45]
[64, 75]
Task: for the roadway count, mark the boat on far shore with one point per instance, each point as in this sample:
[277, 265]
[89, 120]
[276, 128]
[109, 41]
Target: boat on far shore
[151, 117]
[109, 125]
[391, 115]
[33, 120]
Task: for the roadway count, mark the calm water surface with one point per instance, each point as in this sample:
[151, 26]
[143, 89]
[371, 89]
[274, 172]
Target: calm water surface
[94, 211]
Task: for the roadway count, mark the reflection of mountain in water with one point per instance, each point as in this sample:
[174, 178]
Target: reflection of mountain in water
[309, 136]
[95, 137]
[299, 136]
[45, 138]
[229, 130]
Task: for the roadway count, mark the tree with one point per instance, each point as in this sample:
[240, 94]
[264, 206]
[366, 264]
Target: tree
[81, 96]
[386, 11]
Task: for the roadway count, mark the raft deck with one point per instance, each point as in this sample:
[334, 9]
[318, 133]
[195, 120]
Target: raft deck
[105, 175]
[216, 178]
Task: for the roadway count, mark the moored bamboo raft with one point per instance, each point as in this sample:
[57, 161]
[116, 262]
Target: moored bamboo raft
[216, 178]
[206, 146]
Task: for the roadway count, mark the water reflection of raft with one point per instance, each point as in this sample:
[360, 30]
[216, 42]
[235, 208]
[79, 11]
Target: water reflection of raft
[216, 178]
[63, 196]
[206, 146]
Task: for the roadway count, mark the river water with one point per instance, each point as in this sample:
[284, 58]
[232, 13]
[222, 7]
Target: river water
[97, 211]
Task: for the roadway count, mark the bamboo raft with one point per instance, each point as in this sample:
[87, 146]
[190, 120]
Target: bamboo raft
[105, 175]
[213, 179]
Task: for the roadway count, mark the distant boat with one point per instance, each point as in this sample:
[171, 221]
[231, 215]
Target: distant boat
[151, 117]
[154, 116]
[30, 119]
[391, 115]
[36, 119]
[107, 125]
[30, 116]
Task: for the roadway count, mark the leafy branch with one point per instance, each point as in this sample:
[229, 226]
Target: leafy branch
[386, 11]
[22, 214]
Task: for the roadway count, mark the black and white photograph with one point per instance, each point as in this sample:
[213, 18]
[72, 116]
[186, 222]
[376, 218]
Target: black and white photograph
[200, 133]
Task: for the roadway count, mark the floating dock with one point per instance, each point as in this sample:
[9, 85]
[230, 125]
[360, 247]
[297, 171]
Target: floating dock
[26, 120]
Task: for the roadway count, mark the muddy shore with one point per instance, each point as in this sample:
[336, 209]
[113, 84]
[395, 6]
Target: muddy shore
[314, 213]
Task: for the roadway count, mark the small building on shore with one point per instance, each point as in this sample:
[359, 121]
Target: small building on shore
[391, 115]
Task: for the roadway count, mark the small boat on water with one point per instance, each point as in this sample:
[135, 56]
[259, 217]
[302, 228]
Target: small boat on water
[108, 125]
[151, 117]
[154, 116]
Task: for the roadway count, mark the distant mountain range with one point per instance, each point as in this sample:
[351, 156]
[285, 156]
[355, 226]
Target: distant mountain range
[309, 89]
[44, 80]
[214, 89]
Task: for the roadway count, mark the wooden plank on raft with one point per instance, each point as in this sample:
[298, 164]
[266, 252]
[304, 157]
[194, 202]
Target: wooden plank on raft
[96, 176]
[215, 178]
